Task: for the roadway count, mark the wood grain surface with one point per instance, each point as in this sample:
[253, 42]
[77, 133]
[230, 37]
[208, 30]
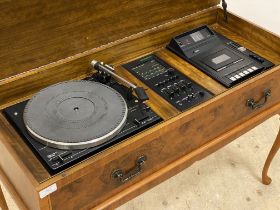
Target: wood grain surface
[3, 204]
[36, 33]
[257, 35]
[185, 161]
[78, 66]
[216, 121]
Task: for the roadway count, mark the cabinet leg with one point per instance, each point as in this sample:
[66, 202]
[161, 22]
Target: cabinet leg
[265, 178]
[3, 204]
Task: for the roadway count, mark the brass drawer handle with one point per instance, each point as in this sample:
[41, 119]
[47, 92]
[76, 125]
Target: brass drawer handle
[258, 104]
[123, 178]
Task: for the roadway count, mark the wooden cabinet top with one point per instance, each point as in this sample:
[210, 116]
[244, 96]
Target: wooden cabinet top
[37, 33]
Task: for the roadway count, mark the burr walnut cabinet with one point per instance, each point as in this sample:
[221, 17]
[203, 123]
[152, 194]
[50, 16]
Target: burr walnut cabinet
[45, 42]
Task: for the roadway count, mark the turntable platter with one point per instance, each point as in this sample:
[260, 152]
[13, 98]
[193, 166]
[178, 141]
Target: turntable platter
[75, 114]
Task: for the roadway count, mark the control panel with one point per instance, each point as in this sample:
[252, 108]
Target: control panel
[169, 83]
[221, 58]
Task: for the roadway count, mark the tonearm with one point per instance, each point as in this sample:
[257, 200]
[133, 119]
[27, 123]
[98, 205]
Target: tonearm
[139, 91]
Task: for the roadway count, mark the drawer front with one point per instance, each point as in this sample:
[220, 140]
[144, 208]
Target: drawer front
[167, 142]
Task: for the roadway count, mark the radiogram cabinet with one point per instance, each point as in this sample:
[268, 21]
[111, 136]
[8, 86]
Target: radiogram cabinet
[45, 42]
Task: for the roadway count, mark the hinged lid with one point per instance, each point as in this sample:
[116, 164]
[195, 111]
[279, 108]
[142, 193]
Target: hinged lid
[35, 33]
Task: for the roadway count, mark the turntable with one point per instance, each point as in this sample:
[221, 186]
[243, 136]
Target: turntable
[69, 121]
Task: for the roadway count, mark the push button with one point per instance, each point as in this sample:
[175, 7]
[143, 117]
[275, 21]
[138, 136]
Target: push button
[237, 76]
[254, 68]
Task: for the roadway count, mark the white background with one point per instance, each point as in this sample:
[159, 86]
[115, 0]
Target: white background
[265, 13]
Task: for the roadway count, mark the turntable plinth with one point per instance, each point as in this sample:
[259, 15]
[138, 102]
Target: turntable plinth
[169, 147]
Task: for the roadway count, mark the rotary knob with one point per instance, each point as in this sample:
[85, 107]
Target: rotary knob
[189, 85]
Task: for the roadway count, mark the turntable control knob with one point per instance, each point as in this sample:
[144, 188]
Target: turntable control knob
[183, 87]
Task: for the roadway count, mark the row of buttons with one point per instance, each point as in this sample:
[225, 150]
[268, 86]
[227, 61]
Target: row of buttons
[243, 73]
[181, 86]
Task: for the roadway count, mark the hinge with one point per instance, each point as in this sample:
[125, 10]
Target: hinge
[224, 5]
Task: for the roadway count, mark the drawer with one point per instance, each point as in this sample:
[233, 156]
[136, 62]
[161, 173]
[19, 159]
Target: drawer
[167, 142]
